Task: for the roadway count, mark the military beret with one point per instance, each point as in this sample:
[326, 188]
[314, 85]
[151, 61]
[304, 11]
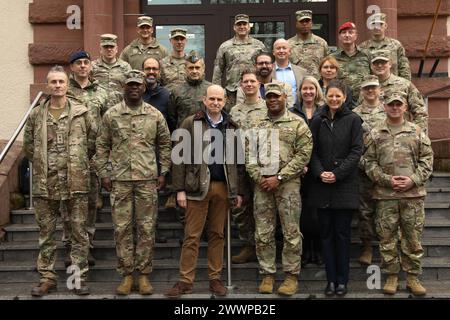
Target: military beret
[178, 32]
[381, 54]
[273, 87]
[135, 76]
[241, 17]
[370, 80]
[193, 57]
[79, 55]
[345, 26]
[144, 20]
[377, 18]
[108, 39]
[303, 14]
[395, 96]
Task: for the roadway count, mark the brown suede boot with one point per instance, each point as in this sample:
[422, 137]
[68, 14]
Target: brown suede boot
[413, 284]
[267, 283]
[124, 287]
[178, 289]
[145, 287]
[391, 284]
[43, 288]
[366, 255]
[289, 285]
[247, 254]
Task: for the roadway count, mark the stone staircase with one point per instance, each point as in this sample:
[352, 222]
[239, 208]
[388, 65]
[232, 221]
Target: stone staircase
[19, 251]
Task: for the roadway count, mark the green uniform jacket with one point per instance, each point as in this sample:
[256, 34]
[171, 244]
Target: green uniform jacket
[80, 140]
[407, 153]
[132, 136]
[135, 53]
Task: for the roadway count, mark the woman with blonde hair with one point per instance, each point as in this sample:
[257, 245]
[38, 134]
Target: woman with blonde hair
[329, 69]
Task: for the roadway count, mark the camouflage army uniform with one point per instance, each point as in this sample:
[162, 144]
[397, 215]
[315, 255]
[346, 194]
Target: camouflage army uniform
[233, 57]
[173, 71]
[242, 114]
[95, 99]
[295, 146]
[185, 100]
[408, 153]
[308, 53]
[352, 70]
[416, 112]
[132, 135]
[60, 151]
[136, 52]
[111, 77]
[371, 116]
[400, 64]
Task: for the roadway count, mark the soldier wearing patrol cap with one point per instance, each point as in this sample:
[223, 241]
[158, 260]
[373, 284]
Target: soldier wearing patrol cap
[173, 70]
[277, 186]
[307, 49]
[399, 160]
[144, 46]
[234, 56]
[353, 61]
[380, 65]
[130, 132]
[109, 70]
[371, 110]
[378, 26]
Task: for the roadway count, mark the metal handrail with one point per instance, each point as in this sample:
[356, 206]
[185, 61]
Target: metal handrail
[19, 127]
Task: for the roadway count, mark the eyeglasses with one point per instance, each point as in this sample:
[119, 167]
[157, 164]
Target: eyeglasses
[151, 68]
[263, 63]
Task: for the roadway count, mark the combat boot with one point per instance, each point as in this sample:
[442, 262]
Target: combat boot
[366, 255]
[247, 254]
[413, 284]
[267, 283]
[391, 285]
[124, 287]
[145, 288]
[43, 288]
[289, 285]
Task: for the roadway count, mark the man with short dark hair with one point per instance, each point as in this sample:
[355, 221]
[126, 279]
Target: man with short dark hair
[173, 71]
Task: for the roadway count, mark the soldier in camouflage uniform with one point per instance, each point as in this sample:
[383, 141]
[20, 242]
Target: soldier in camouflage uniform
[59, 139]
[390, 83]
[143, 47]
[173, 70]
[307, 49]
[353, 61]
[253, 108]
[400, 64]
[277, 186]
[187, 98]
[372, 112]
[399, 160]
[110, 71]
[129, 134]
[235, 55]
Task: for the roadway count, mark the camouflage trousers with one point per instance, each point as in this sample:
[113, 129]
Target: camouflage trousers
[367, 206]
[286, 200]
[407, 216]
[134, 248]
[47, 211]
[91, 217]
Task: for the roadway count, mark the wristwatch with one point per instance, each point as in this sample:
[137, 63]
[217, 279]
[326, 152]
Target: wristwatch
[280, 178]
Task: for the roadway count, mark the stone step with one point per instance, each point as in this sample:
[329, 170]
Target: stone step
[167, 270]
[105, 249]
[439, 179]
[243, 290]
[438, 194]
[437, 210]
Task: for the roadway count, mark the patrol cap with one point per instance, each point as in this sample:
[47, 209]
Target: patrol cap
[178, 32]
[370, 80]
[378, 18]
[381, 54]
[241, 17]
[347, 25]
[395, 96]
[273, 87]
[145, 20]
[135, 76]
[193, 57]
[303, 14]
[108, 39]
[81, 54]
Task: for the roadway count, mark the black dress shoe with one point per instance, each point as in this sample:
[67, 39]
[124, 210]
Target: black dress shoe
[341, 290]
[330, 289]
